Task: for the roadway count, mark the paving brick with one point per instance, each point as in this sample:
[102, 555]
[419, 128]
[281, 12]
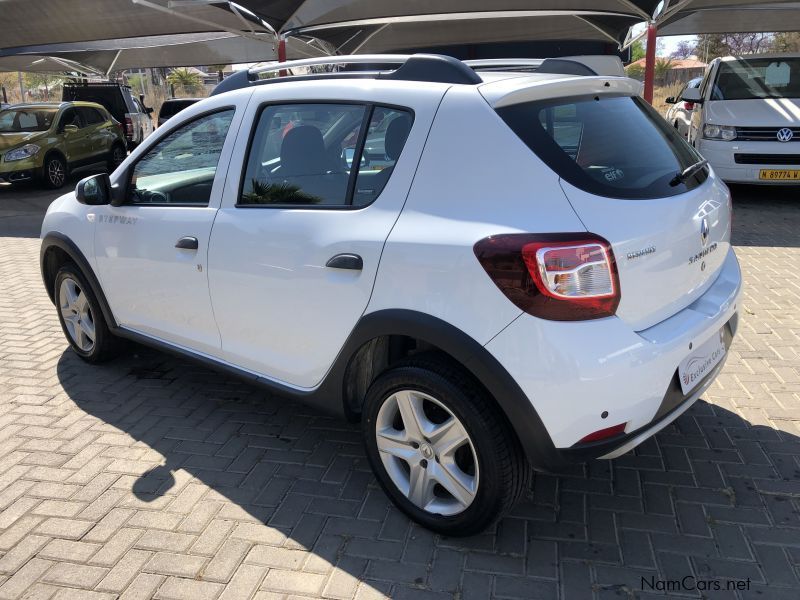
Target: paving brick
[151, 477]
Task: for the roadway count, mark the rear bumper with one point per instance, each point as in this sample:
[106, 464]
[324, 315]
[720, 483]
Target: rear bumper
[574, 373]
[722, 157]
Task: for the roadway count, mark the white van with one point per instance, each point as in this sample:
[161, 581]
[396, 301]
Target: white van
[748, 125]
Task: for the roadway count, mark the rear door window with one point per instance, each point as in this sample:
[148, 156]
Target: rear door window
[322, 154]
[609, 146]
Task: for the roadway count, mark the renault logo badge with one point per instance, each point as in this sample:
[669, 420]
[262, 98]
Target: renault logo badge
[785, 135]
[704, 231]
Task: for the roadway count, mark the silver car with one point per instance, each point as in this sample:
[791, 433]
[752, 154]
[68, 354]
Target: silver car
[680, 112]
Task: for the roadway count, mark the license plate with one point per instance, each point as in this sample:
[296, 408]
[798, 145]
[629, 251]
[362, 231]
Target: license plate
[779, 174]
[701, 362]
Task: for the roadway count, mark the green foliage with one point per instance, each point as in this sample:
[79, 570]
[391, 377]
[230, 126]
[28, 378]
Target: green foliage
[277, 193]
[188, 80]
[637, 50]
[662, 67]
[635, 71]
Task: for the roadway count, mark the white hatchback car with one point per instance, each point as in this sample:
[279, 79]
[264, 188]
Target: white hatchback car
[490, 271]
[747, 123]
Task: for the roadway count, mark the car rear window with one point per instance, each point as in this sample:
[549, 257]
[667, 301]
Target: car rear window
[173, 107]
[614, 146]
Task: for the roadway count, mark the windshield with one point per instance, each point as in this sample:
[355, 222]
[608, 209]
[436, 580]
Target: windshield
[16, 120]
[756, 78]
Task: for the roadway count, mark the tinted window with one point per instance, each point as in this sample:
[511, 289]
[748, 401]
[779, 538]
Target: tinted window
[610, 146]
[750, 78]
[91, 116]
[173, 107]
[180, 168]
[299, 154]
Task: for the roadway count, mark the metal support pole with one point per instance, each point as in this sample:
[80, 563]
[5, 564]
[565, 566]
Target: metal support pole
[282, 54]
[21, 86]
[650, 62]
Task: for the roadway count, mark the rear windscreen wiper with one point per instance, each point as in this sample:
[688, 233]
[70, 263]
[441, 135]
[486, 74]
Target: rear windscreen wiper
[688, 172]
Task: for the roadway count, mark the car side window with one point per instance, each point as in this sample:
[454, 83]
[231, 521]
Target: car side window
[69, 117]
[91, 116]
[322, 154]
[180, 168]
[298, 155]
[385, 139]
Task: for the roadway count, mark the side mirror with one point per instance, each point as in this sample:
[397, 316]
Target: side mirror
[692, 95]
[70, 128]
[671, 100]
[149, 110]
[94, 190]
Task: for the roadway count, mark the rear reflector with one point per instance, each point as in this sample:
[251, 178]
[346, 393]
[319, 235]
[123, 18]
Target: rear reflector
[602, 434]
[561, 277]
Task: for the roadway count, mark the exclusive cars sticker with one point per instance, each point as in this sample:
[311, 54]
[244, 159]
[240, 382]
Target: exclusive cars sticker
[697, 365]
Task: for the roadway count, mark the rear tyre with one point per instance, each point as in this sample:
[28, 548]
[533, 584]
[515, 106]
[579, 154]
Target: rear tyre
[54, 172]
[81, 317]
[116, 156]
[440, 447]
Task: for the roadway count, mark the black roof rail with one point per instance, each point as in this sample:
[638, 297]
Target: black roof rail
[415, 67]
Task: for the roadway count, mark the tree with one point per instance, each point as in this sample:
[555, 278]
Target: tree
[714, 45]
[186, 79]
[662, 67]
[786, 42]
[635, 71]
[684, 49]
[637, 50]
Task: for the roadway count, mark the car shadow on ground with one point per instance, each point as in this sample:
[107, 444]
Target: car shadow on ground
[712, 496]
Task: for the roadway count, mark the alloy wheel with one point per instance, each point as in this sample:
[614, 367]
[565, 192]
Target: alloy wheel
[427, 452]
[55, 173]
[77, 314]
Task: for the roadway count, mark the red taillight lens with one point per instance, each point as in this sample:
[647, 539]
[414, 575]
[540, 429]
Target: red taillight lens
[688, 106]
[561, 277]
[128, 128]
[603, 434]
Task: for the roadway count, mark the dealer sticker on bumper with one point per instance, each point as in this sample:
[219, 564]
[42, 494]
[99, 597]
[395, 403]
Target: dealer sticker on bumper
[701, 362]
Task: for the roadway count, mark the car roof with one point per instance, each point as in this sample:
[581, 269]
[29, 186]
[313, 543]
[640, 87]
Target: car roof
[57, 104]
[765, 55]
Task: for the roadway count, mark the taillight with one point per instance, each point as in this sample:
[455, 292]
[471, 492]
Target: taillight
[604, 434]
[688, 106]
[561, 277]
[128, 128]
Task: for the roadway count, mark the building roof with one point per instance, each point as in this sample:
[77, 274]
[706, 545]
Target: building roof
[677, 63]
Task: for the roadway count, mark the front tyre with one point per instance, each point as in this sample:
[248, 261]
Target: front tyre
[440, 448]
[81, 317]
[54, 172]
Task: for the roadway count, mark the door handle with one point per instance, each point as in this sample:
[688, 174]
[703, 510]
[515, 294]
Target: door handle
[187, 243]
[346, 261]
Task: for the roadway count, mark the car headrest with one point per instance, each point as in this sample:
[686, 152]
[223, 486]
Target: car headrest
[303, 151]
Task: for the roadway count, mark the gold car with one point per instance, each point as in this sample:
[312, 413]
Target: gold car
[47, 141]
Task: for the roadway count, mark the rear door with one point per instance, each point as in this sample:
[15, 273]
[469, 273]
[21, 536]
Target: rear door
[620, 166]
[296, 245]
[77, 143]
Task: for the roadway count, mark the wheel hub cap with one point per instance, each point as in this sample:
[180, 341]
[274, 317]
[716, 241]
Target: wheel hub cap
[427, 452]
[77, 314]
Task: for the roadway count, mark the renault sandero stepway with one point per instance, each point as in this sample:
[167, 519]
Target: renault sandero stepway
[489, 270]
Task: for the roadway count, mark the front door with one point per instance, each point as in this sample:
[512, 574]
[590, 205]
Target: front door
[77, 142]
[152, 252]
[295, 248]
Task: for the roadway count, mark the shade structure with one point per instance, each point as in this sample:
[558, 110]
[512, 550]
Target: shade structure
[707, 16]
[34, 22]
[413, 35]
[43, 64]
[155, 51]
[293, 15]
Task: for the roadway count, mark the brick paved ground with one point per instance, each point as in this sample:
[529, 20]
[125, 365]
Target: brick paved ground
[152, 477]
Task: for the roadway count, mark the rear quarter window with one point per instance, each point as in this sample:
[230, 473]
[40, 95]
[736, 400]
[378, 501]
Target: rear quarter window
[618, 147]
